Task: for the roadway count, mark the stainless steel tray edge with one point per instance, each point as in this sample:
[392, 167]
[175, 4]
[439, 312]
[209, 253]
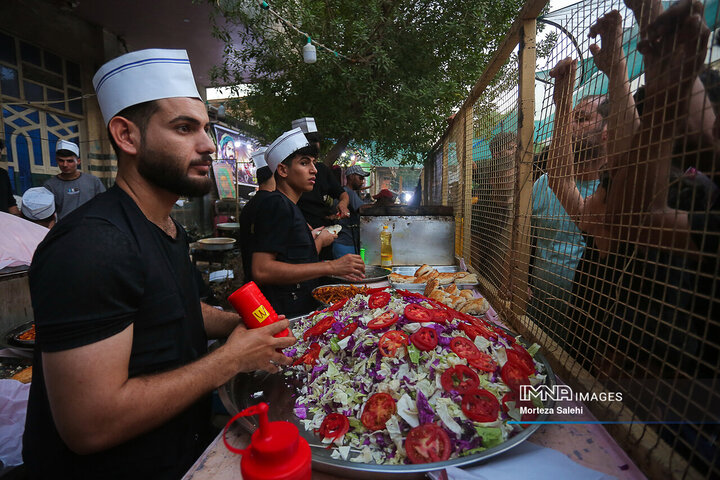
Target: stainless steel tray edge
[321, 456]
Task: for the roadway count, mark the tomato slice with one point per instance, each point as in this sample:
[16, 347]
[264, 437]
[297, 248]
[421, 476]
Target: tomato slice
[347, 330]
[480, 406]
[428, 443]
[334, 426]
[440, 316]
[391, 342]
[310, 356]
[464, 348]
[376, 290]
[378, 300]
[384, 320]
[337, 305]
[319, 328]
[513, 374]
[425, 339]
[378, 410]
[484, 363]
[459, 379]
[418, 313]
[522, 356]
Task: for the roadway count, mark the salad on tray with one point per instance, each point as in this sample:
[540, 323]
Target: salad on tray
[392, 377]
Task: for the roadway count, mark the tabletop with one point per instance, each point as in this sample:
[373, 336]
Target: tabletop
[589, 445]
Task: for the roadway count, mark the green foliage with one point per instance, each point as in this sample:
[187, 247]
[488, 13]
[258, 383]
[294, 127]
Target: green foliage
[412, 63]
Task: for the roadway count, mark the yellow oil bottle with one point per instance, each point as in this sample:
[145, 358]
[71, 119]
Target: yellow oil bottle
[386, 256]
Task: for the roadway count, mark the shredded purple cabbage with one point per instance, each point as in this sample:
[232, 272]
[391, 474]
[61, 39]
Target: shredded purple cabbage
[301, 411]
[290, 352]
[425, 411]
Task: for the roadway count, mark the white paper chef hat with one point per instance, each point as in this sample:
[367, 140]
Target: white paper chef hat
[306, 124]
[284, 146]
[142, 76]
[38, 203]
[258, 157]
[69, 146]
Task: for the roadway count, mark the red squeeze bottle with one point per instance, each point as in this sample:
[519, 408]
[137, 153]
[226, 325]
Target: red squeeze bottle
[254, 308]
[276, 451]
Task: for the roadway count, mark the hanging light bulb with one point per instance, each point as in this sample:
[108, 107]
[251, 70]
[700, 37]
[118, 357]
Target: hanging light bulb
[309, 53]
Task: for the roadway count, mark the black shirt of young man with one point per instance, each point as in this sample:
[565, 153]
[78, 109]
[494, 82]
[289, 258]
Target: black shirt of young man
[247, 230]
[105, 267]
[317, 204]
[280, 228]
[6, 194]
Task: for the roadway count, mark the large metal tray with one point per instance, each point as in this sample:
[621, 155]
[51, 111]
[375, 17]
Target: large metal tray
[247, 389]
[373, 273]
[11, 340]
[420, 287]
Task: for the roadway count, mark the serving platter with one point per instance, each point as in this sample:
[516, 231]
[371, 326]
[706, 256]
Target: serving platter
[279, 392]
[9, 366]
[216, 243]
[373, 273]
[11, 337]
[420, 287]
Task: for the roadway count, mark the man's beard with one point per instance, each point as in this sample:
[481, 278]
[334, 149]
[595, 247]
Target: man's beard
[165, 171]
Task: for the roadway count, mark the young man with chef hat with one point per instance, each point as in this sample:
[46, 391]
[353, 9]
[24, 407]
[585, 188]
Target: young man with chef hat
[317, 204]
[122, 374]
[285, 262]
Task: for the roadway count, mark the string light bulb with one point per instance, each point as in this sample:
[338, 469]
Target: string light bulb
[309, 52]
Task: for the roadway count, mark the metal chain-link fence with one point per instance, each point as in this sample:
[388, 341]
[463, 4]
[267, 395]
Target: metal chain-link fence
[586, 198]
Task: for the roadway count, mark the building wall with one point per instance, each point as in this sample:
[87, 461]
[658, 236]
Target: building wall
[47, 27]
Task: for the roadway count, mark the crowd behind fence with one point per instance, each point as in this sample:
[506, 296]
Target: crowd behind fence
[586, 198]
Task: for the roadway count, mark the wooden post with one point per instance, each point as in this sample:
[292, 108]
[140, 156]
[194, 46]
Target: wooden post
[520, 261]
[467, 170]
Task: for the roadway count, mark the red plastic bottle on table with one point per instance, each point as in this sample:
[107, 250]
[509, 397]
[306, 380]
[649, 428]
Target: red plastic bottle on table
[254, 308]
[276, 450]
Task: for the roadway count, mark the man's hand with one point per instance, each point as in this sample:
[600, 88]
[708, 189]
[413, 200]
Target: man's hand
[349, 266]
[674, 50]
[343, 211]
[257, 349]
[323, 237]
[564, 75]
[609, 57]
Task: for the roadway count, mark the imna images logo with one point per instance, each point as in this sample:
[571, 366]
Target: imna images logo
[559, 393]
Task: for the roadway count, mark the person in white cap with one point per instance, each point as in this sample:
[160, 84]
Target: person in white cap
[284, 261]
[123, 378]
[348, 240]
[266, 184]
[317, 204]
[71, 187]
[38, 206]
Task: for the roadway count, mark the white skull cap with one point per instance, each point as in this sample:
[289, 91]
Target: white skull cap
[258, 157]
[284, 146]
[143, 76]
[306, 124]
[69, 146]
[38, 203]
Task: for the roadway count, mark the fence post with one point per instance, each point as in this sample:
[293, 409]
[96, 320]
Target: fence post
[520, 261]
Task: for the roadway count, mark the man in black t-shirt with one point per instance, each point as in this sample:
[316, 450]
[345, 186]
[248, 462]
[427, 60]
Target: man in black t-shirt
[317, 204]
[122, 376]
[284, 261]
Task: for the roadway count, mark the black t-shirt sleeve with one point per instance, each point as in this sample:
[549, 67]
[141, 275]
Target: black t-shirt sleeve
[86, 283]
[273, 223]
